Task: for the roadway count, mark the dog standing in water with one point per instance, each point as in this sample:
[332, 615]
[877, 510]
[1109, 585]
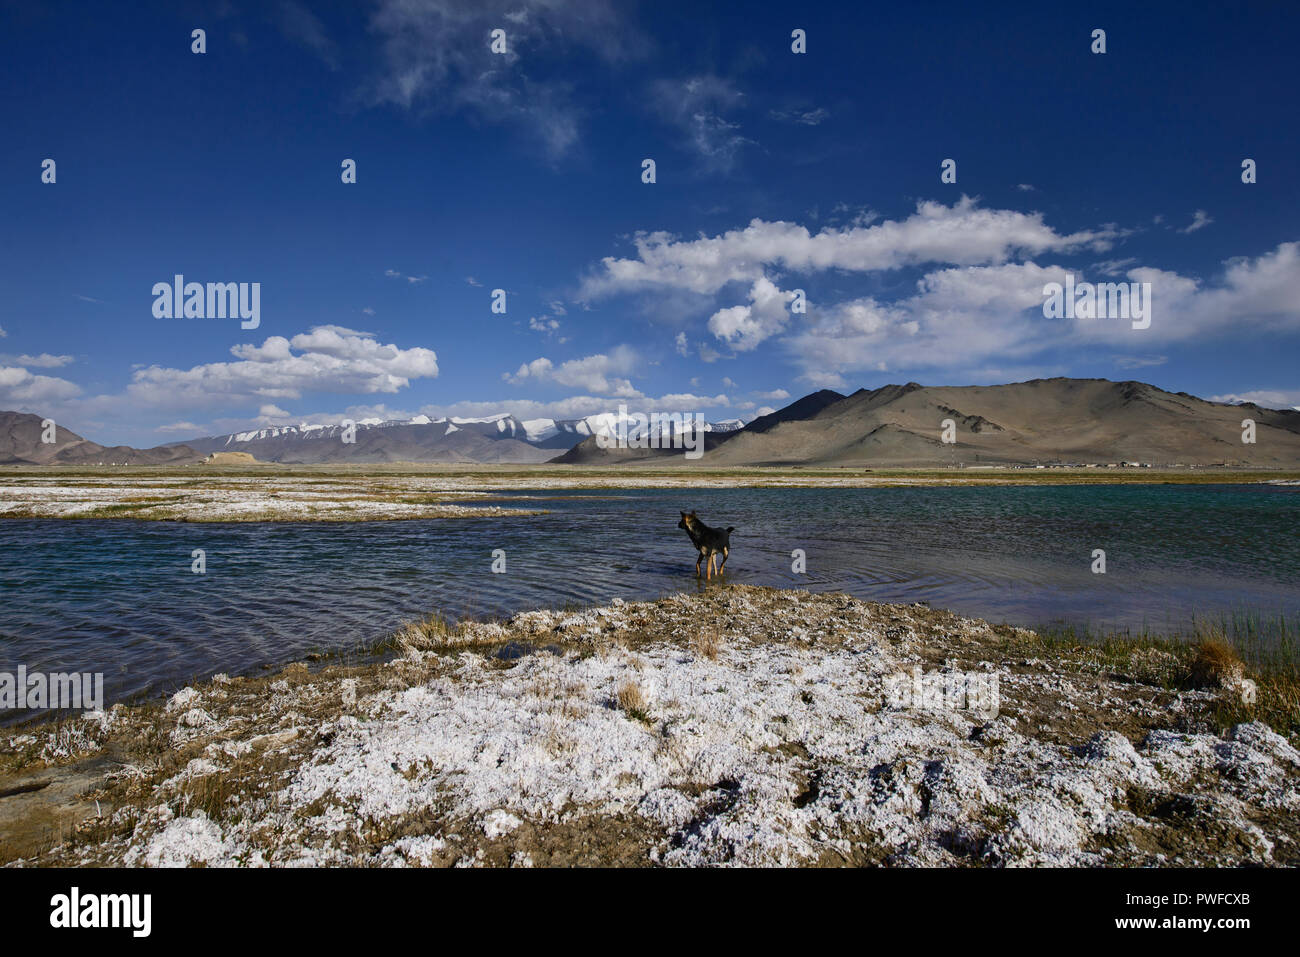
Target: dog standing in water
[710, 542]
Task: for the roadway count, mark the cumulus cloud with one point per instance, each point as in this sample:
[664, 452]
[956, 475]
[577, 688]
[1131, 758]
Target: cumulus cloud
[960, 317]
[743, 327]
[978, 305]
[604, 374]
[960, 234]
[25, 391]
[324, 359]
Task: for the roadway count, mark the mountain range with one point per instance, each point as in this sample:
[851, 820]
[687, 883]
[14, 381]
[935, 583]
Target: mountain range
[21, 443]
[1041, 422]
[494, 439]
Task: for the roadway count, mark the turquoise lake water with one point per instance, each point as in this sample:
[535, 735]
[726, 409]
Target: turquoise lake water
[118, 597]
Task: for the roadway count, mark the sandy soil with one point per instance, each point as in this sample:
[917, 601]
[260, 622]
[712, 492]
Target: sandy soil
[738, 726]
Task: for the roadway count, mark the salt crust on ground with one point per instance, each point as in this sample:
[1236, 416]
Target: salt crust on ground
[782, 750]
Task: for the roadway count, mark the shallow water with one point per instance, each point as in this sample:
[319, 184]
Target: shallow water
[118, 597]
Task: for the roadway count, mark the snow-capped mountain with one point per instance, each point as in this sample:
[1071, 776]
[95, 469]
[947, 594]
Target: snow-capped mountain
[500, 438]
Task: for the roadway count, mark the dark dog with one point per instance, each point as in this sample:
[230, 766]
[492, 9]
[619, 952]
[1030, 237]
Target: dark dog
[710, 542]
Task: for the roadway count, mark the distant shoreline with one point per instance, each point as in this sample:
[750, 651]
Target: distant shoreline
[271, 492]
[357, 493]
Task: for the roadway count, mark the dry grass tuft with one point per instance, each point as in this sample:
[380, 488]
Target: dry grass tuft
[1213, 663]
[706, 646]
[632, 701]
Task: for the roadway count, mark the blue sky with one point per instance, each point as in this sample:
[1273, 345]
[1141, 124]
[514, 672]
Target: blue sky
[775, 172]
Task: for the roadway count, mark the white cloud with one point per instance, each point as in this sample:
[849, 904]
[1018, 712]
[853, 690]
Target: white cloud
[1268, 398]
[602, 374]
[688, 400]
[697, 107]
[709, 354]
[1115, 267]
[681, 344]
[324, 359]
[26, 392]
[983, 308]
[436, 57]
[774, 395]
[961, 234]
[42, 361]
[961, 317]
[1200, 219]
[570, 407]
[744, 327]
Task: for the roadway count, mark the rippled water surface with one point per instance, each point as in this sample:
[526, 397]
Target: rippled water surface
[119, 596]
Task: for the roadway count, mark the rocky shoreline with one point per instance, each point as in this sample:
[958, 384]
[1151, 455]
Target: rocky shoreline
[739, 725]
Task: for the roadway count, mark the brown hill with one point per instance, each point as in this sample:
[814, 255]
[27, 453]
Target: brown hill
[1044, 421]
[20, 444]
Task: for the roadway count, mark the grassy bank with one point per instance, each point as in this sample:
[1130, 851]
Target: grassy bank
[1261, 647]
